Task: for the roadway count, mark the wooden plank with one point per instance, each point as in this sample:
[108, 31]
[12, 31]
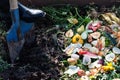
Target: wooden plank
[74, 2]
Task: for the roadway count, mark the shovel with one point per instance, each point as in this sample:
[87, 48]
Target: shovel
[14, 37]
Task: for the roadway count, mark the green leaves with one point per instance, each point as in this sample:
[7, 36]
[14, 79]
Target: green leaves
[66, 14]
[3, 65]
[58, 15]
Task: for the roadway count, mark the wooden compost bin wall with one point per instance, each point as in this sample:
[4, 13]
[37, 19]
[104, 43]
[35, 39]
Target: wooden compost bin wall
[75, 2]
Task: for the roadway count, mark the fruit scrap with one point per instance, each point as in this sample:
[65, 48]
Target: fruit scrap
[95, 35]
[94, 25]
[90, 39]
[108, 67]
[81, 52]
[94, 71]
[81, 73]
[100, 45]
[72, 61]
[111, 18]
[69, 33]
[72, 20]
[107, 18]
[77, 39]
[114, 17]
[117, 36]
[80, 29]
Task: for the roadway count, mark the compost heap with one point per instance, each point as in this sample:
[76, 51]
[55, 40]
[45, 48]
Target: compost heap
[93, 47]
[78, 44]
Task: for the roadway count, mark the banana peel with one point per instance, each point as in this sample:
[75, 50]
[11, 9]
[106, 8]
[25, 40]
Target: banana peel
[107, 18]
[114, 17]
[111, 18]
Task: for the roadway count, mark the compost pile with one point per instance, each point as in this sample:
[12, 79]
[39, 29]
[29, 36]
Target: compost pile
[71, 43]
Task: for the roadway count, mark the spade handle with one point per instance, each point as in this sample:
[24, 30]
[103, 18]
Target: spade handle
[13, 4]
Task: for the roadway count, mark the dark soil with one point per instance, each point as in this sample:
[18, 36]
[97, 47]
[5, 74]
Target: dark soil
[39, 59]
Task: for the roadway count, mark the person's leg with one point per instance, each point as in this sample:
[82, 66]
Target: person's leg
[12, 36]
[12, 33]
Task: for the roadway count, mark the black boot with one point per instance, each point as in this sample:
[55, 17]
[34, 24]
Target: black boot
[30, 15]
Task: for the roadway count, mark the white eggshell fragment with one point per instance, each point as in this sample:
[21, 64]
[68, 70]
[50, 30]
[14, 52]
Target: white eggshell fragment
[89, 31]
[87, 73]
[75, 50]
[77, 45]
[110, 57]
[94, 43]
[95, 65]
[116, 50]
[87, 45]
[72, 48]
[84, 35]
[84, 78]
[75, 56]
[68, 47]
[72, 70]
[94, 50]
[86, 60]
[69, 51]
